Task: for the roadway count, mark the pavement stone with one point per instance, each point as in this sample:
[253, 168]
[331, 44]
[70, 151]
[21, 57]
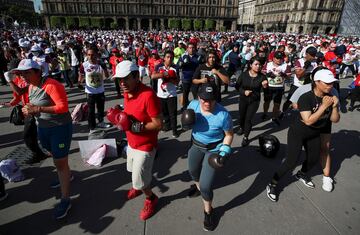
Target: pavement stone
[241, 205]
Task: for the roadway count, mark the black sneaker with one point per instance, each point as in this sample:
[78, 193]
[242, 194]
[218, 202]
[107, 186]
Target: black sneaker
[194, 191]
[264, 116]
[281, 115]
[3, 195]
[209, 224]
[305, 179]
[175, 134]
[240, 131]
[351, 109]
[276, 121]
[271, 192]
[245, 142]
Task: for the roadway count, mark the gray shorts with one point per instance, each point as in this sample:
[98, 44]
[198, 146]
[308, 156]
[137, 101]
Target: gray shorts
[140, 164]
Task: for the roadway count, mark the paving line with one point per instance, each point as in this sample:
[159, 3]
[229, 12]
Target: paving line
[319, 210]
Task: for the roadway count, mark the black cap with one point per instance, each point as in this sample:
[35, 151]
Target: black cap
[311, 51]
[207, 92]
[279, 55]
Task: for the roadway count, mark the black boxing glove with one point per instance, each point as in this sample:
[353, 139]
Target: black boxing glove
[188, 119]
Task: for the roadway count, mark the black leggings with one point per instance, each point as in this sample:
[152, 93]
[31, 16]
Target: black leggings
[169, 110]
[187, 87]
[300, 135]
[99, 100]
[354, 96]
[247, 111]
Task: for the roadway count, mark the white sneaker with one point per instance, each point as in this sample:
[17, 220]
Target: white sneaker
[327, 184]
[104, 125]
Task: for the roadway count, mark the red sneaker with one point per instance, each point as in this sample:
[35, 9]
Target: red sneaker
[149, 208]
[133, 193]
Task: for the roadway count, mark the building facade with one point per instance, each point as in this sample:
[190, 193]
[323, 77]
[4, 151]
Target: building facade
[25, 4]
[350, 18]
[298, 16]
[145, 14]
[246, 15]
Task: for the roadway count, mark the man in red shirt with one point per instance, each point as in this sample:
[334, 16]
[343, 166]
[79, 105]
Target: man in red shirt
[142, 54]
[154, 61]
[114, 60]
[143, 114]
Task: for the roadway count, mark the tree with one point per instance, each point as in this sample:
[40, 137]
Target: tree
[174, 23]
[97, 22]
[198, 25]
[71, 22]
[56, 22]
[114, 25]
[209, 24]
[186, 24]
[84, 22]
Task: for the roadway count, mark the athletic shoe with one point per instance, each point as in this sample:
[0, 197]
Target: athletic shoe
[240, 131]
[264, 116]
[245, 142]
[276, 121]
[175, 134]
[271, 192]
[62, 208]
[209, 224]
[81, 87]
[305, 179]
[104, 125]
[351, 109]
[3, 196]
[56, 183]
[133, 193]
[149, 208]
[327, 184]
[281, 115]
[194, 191]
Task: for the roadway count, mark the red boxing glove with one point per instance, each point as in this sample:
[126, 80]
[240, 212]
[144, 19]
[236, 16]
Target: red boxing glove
[119, 118]
[164, 73]
[172, 74]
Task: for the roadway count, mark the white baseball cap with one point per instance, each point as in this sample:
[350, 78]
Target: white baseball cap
[124, 68]
[26, 64]
[49, 50]
[324, 75]
[35, 48]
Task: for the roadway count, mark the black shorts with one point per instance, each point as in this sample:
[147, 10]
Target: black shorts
[327, 128]
[274, 94]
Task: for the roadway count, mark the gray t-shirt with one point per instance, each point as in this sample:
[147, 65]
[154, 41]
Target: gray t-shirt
[305, 88]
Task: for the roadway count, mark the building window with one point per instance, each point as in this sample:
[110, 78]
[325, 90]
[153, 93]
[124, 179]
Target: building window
[318, 17]
[321, 4]
[167, 10]
[119, 8]
[230, 2]
[107, 8]
[70, 8]
[95, 8]
[83, 8]
[132, 9]
[213, 11]
[229, 12]
[202, 11]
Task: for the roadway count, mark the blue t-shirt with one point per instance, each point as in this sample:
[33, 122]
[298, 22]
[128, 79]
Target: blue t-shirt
[210, 128]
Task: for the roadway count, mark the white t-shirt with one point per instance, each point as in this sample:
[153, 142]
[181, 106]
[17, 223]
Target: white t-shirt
[94, 77]
[74, 59]
[165, 89]
[299, 64]
[278, 81]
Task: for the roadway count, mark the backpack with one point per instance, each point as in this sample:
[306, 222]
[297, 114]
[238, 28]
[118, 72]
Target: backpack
[16, 116]
[80, 113]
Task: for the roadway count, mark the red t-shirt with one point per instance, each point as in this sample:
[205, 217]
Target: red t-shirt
[142, 56]
[24, 97]
[153, 63]
[113, 63]
[143, 106]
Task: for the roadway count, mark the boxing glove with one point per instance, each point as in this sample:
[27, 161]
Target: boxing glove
[119, 119]
[188, 119]
[217, 161]
[171, 74]
[164, 73]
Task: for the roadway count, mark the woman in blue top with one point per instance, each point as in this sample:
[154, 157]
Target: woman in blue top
[212, 133]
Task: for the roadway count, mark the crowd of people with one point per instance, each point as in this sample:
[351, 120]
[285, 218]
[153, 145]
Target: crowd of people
[41, 66]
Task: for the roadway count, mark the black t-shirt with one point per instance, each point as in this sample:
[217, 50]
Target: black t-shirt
[310, 102]
[204, 71]
[246, 82]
